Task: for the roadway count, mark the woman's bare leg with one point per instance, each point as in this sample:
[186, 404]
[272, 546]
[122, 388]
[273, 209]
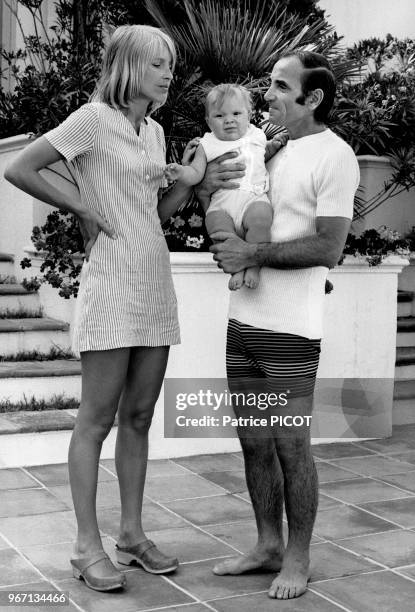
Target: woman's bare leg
[144, 379]
[103, 377]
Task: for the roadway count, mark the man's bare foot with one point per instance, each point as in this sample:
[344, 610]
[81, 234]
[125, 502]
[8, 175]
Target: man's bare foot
[251, 278]
[236, 281]
[291, 581]
[253, 560]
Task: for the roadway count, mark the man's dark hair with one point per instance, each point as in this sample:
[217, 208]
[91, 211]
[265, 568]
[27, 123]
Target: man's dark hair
[318, 74]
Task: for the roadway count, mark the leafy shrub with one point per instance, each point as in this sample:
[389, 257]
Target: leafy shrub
[374, 245]
[61, 242]
[56, 71]
[375, 114]
[216, 43]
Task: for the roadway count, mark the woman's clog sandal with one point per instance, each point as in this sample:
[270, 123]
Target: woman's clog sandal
[148, 556]
[83, 569]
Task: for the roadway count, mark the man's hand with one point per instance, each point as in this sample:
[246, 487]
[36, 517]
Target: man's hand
[91, 223]
[232, 253]
[220, 175]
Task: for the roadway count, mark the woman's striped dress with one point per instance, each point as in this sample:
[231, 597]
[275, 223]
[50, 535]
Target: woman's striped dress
[126, 295]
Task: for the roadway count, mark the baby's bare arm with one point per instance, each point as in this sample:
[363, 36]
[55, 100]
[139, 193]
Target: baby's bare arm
[188, 175]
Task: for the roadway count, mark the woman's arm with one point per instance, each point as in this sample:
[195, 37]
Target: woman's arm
[180, 193]
[23, 172]
[172, 200]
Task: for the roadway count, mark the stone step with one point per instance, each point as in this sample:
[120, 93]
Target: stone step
[405, 355]
[405, 296]
[405, 303]
[405, 363]
[406, 324]
[403, 411]
[6, 265]
[14, 289]
[403, 372]
[405, 309]
[32, 335]
[14, 297]
[405, 331]
[39, 369]
[41, 379]
[404, 389]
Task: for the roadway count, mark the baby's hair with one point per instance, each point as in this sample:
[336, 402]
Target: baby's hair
[130, 51]
[217, 95]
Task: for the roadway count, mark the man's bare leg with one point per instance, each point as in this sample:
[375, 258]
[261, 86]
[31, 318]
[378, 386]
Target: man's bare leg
[301, 499]
[265, 484]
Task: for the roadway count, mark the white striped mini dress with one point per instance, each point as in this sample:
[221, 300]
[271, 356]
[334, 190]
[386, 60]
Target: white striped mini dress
[126, 295]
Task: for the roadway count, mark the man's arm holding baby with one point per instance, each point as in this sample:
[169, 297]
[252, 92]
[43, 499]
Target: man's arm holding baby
[220, 176]
[324, 248]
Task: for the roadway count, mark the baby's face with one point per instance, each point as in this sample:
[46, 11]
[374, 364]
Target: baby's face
[231, 120]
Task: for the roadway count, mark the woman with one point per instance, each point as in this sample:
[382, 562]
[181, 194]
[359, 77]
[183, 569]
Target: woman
[126, 308]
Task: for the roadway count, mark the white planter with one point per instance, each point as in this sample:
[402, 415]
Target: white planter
[16, 207]
[397, 213]
[406, 280]
[19, 212]
[356, 372]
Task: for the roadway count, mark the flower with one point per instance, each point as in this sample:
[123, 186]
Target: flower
[186, 231]
[193, 242]
[376, 244]
[178, 222]
[195, 220]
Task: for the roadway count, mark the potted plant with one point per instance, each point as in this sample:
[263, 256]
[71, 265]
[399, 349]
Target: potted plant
[375, 114]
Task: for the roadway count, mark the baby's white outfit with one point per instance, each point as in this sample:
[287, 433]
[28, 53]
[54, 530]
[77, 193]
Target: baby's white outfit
[253, 186]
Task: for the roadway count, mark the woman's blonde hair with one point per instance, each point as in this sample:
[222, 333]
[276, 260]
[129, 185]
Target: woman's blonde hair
[130, 51]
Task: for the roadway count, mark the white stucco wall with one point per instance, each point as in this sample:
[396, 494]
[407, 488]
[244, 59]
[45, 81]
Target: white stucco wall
[359, 19]
[357, 366]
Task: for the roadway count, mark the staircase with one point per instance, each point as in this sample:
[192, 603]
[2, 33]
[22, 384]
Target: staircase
[21, 333]
[404, 392]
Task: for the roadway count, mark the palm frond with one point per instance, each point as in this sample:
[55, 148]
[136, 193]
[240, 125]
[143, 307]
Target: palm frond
[230, 41]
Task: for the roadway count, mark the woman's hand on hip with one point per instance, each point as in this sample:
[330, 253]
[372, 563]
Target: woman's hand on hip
[91, 223]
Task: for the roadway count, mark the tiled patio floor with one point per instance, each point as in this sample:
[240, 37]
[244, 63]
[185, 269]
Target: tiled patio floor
[363, 548]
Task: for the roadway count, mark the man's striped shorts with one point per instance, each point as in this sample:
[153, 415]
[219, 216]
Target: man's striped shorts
[286, 361]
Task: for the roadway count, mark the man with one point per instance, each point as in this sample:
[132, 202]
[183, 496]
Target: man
[275, 330]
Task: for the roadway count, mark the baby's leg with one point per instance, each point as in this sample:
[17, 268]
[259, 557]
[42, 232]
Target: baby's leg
[257, 222]
[220, 221]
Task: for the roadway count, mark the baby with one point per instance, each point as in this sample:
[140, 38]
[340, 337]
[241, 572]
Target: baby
[246, 210]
